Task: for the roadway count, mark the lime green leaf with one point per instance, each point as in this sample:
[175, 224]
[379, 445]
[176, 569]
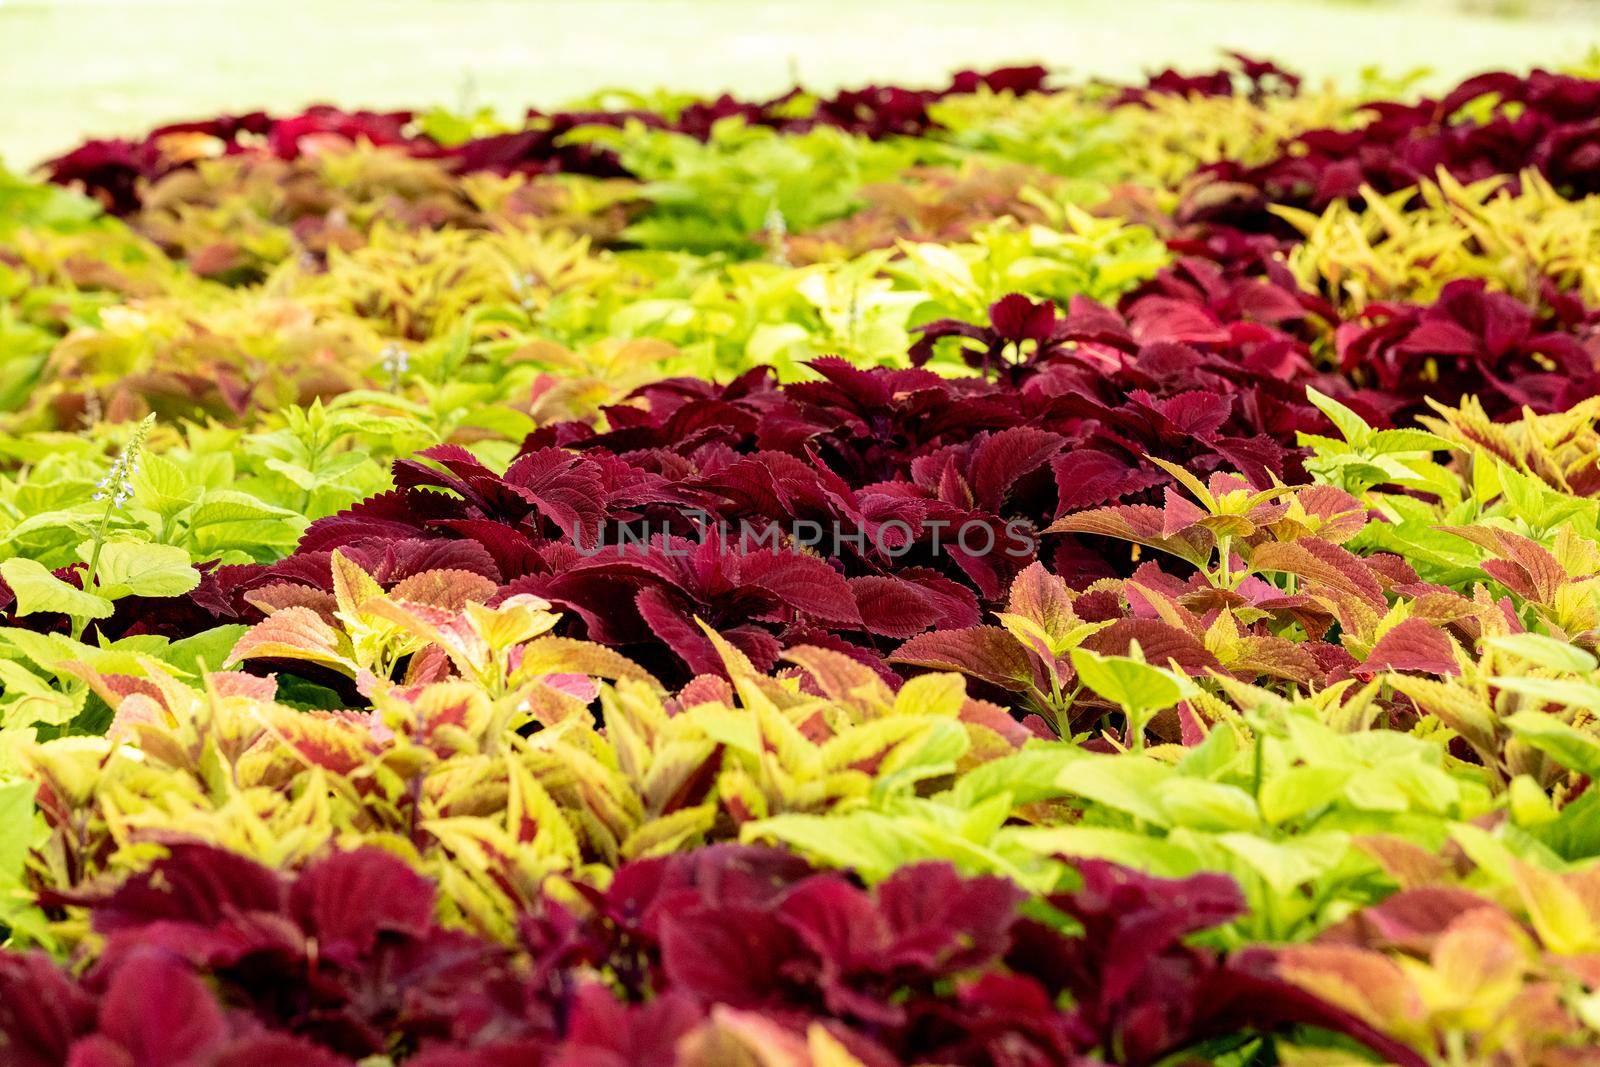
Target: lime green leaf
[133, 568]
[1575, 749]
[1545, 652]
[1298, 790]
[1287, 865]
[1572, 694]
[26, 699]
[38, 590]
[208, 649]
[1352, 426]
[1155, 855]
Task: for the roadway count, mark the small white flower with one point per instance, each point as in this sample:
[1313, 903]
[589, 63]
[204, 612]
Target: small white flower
[396, 361]
[117, 484]
[777, 228]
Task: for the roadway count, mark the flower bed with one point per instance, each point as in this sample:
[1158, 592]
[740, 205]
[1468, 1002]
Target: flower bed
[1011, 574]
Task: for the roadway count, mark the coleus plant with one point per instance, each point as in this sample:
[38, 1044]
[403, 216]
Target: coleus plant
[490, 787]
[1244, 75]
[1239, 539]
[927, 967]
[1280, 793]
[1469, 975]
[1470, 342]
[1524, 243]
[1558, 448]
[886, 458]
[114, 171]
[868, 453]
[1492, 124]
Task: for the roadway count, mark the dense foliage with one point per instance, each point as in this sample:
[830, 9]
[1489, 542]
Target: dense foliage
[1012, 574]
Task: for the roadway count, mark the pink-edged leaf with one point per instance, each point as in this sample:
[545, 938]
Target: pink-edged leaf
[1410, 921]
[1322, 563]
[448, 589]
[292, 633]
[1043, 598]
[1161, 643]
[279, 595]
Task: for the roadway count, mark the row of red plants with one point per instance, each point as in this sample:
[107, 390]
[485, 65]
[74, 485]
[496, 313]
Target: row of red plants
[1492, 124]
[211, 959]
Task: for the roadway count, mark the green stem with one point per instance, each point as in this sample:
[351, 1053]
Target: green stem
[79, 623]
[1260, 770]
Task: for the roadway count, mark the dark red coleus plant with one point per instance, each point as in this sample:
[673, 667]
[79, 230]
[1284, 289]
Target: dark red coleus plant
[1492, 124]
[1245, 76]
[212, 960]
[873, 504]
[852, 511]
[1471, 341]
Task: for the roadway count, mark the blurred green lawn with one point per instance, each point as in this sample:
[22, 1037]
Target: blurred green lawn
[76, 68]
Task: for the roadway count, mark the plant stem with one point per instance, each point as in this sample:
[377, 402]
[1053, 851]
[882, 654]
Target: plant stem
[80, 623]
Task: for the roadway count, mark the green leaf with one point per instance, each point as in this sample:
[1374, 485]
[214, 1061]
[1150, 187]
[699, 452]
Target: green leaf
[1214, 806]
[933, 755]
[227, 505]
[1545, 652]
[1575, 749]
[1574, 834]
[1287, 865]
[1347, 422]
[134, 568]
[1154, 855]
[163, 486]
[1572, 694]
[1029, 776]
[27, 700]
[1212, 756]
[1130, 784]
[17, 828]
[1403, 442]
[49, 651]
[876, 845]
[1297, 790]
[38, 590]
[1140, 688]
[208, 649]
